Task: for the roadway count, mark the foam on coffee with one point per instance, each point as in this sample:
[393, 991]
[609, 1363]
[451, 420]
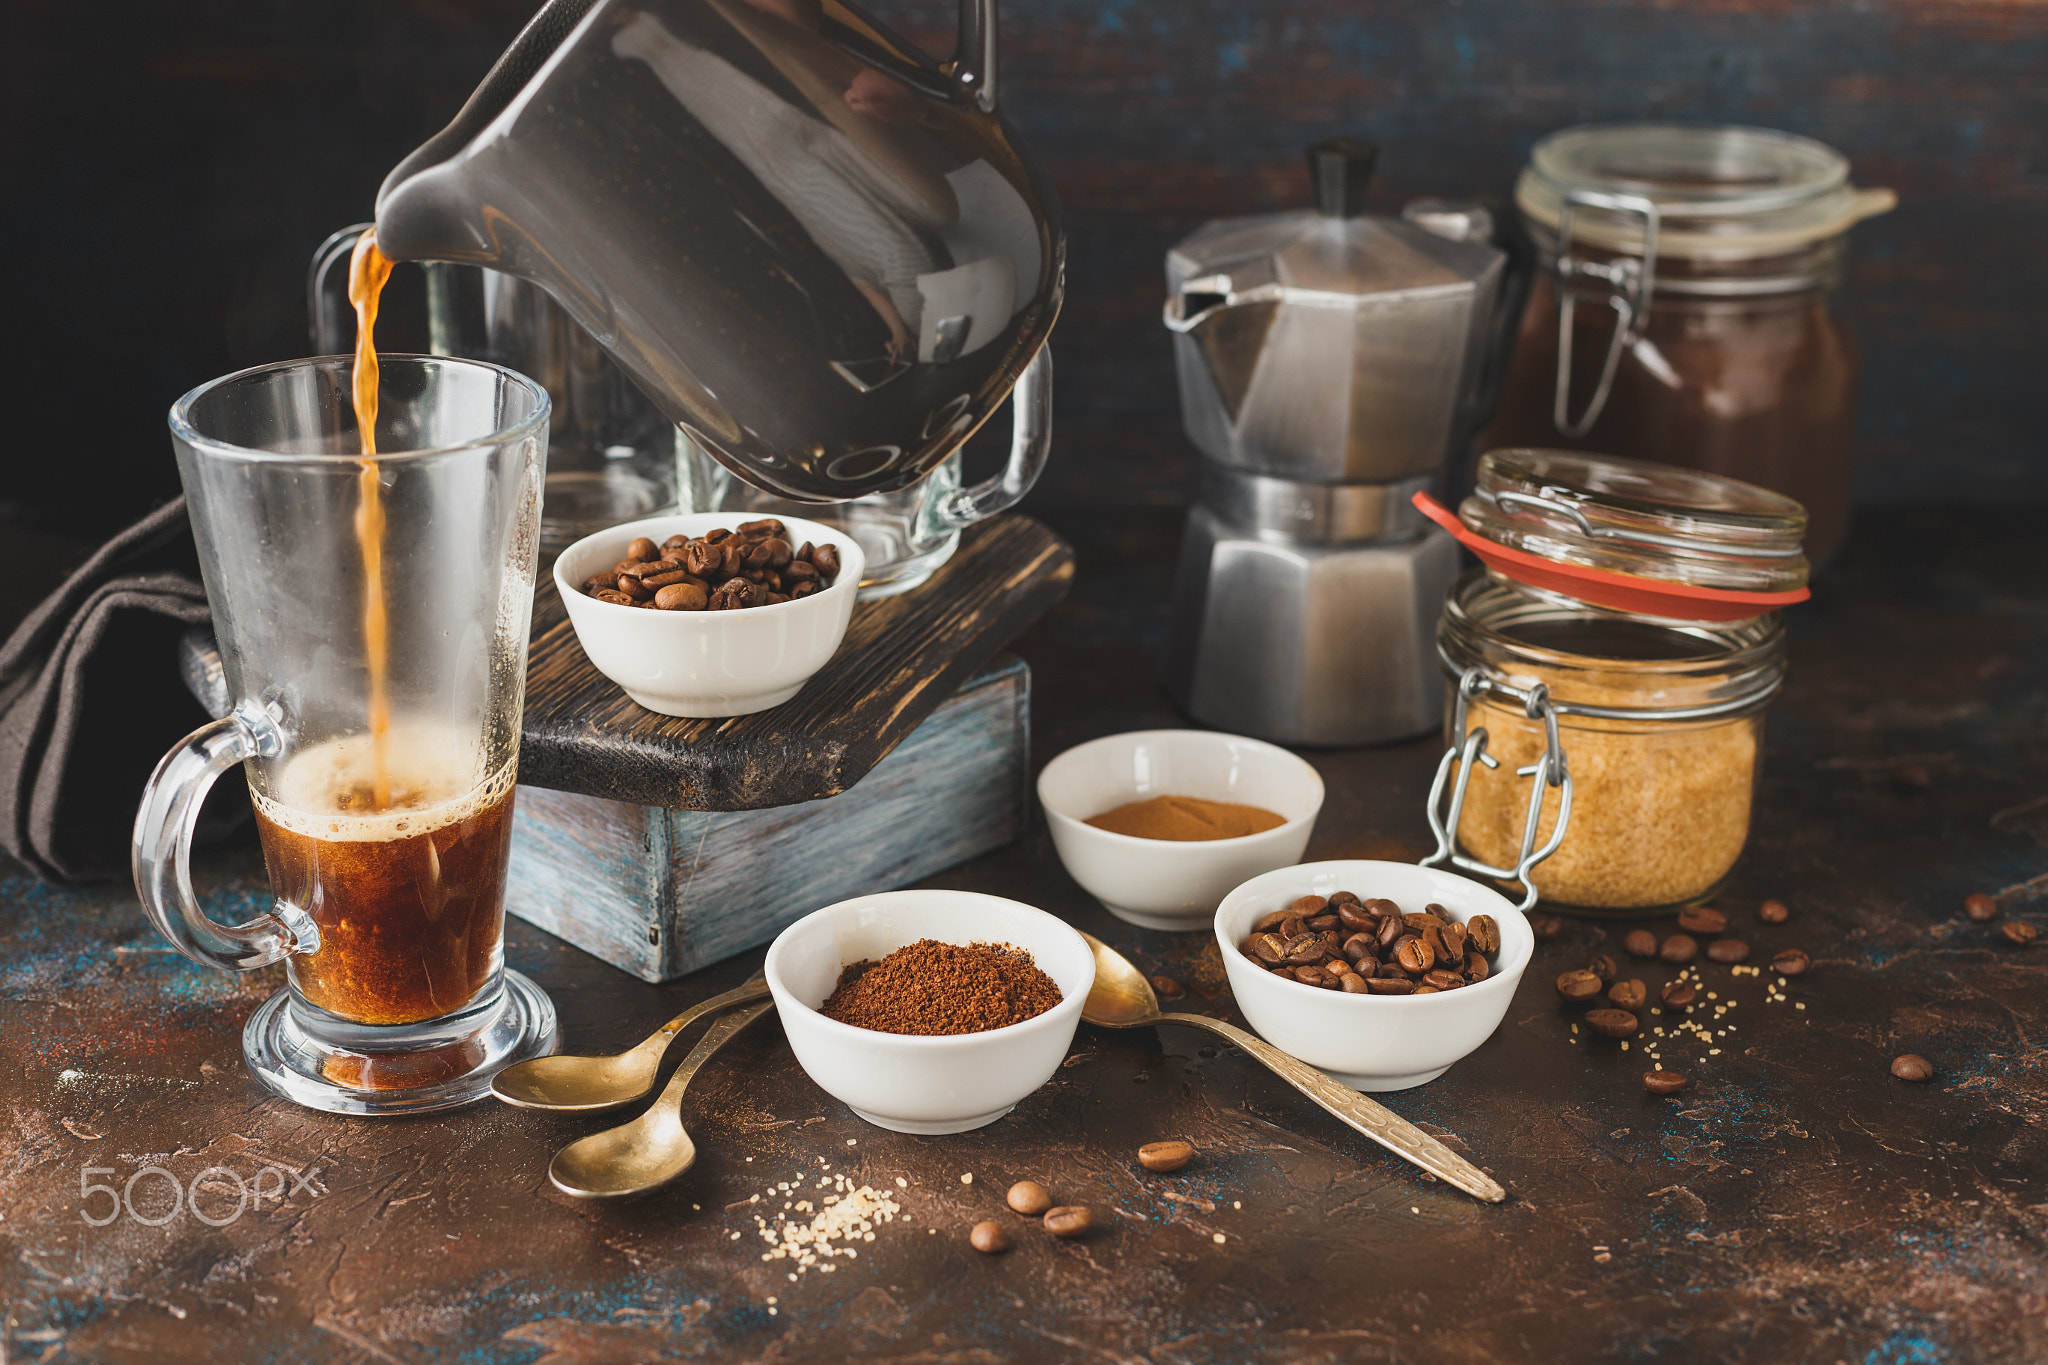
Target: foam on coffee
[328, 792]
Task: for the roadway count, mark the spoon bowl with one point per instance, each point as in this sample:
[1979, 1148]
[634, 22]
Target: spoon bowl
[592, 1085]
[1122, 998]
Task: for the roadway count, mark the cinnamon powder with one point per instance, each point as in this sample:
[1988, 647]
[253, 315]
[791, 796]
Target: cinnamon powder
[933, 988]
[1186, 818]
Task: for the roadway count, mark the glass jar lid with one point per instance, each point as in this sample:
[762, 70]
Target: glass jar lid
[1633, 536]
[1725, 192]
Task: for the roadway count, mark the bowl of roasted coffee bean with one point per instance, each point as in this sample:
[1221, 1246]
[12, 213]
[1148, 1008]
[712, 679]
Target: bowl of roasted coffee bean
[708, 614]
[1382, 974]
[929, 1011]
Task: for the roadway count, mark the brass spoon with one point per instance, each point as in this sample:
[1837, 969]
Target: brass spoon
[653, 1149]
[591, 1085]
[1123, 998]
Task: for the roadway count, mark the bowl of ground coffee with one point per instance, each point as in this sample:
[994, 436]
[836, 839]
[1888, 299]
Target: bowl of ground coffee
[929, 1011]
[1159, 825]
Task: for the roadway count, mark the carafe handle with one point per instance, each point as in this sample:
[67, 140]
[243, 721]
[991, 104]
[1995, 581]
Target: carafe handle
[1030, 443]
[162, 851]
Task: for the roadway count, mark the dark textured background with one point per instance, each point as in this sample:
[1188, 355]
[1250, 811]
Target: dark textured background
[169, 167]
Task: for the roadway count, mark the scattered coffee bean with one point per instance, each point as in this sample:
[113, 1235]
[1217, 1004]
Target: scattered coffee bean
[1678, 994]
[1165, 1156]
[1640, 943]
[1791, 962]
[1628, 995]
[989, 1238]
[1029, 1198]
[1728, 950]
[1982, 909]
[1545, 927]
[1679, 948]
[1166, 988]
[719, 571]
[2020, 932]
[1578, 985]
[1604, 967]
[1611, 1023]
[1702, 919]
[1912, 1067]
[1068, 1220]
[1663, 1082]
[1773, 912]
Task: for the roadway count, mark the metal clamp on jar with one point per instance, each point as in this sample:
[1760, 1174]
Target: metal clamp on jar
[1617, 651]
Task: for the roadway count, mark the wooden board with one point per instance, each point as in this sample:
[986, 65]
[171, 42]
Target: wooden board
[902, 657]
[660, 892]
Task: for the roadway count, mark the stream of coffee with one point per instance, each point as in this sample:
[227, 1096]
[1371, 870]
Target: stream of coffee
[368, 269]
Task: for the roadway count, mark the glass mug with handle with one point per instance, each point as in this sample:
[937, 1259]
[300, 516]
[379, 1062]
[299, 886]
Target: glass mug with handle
[614, 458]
[381, 756]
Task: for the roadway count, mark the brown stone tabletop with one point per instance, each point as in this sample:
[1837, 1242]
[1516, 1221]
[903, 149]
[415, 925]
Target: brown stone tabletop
[1796, 1203]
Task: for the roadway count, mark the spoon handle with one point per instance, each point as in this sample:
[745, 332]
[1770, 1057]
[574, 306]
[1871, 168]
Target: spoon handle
[1368, 1116]
[754, 987]
[715, 1037]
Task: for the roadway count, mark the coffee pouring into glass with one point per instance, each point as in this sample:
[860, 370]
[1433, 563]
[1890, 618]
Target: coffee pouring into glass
[825, 256]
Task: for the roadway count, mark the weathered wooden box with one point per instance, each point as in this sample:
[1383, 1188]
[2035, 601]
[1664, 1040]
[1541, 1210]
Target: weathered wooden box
[660, 892]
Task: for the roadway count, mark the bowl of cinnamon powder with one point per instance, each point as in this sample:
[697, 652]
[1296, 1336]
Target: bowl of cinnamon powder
[929, 1011]
[1159, 825]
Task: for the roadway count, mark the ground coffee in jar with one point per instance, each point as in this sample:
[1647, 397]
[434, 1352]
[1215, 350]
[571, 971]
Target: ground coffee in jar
[935, 989]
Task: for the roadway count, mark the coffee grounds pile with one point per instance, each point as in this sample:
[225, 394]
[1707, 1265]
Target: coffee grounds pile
[933, 988]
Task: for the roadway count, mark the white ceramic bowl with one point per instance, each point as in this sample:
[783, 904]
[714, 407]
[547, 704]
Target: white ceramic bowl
[1166, 883]
[1373, 1042]
[707, 663]
[917, 1084]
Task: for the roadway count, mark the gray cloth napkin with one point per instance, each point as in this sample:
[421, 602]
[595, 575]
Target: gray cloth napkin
[91, 699]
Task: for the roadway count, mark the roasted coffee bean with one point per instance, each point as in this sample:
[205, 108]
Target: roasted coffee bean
[642, 548]
[804, 588]
[1343, 898]
[1702, 919]
[1432, 935]
[1292, 928]
[2019, 932]
[634, 588]
[1355, 984]
[759, 555]
[1442, 980]
[674, 543]
[1791, 962]
[613, 596]
[1068, 1220]
[1309, 905]
[1545, 927]
[732, 556]
[1912, 1067]
[1416, 921]
[1390, 985]
[1424, 990]
[1434, 909]
[658, 581]
[1270, 949]
[1307, 948]
[681, 597]
[1678, 994]
[1663, 1082]
[599, 580]
[1338, 970]
[1679, 948]
[779, 552]
[1391, 970]
[1476, 968]
[1728, 950]
[715, 535]
[797, 571]
[1482, 932]
[1981, 909]
[1628, 995]
[1454, 937]
[766, 526]
[1358, 947]
[1611, 1023]
[1578, 985]
[989, 1238]
[702, 558]
[1165, 1156]
[1604, 967]
[1381, 907]
[826, 557]
[1266, 923]
[1352, 915]
[1415, 955]
[1166, 988]
[1391, 931]
[1311, 976]
[1773, 912]
[1640, 943]
[1322, 922]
